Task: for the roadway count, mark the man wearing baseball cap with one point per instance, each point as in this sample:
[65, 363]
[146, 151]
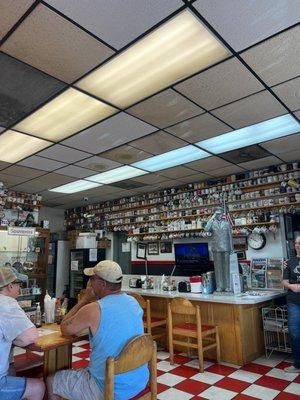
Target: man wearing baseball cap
[15, 328]
[113, 319]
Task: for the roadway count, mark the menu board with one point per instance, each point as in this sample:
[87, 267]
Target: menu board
[274, 273]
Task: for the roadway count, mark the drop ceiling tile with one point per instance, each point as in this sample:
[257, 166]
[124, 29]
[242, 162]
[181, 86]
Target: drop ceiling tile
[243, 23]
[98, 164]
[10, 12]
[23, 172]
[277, 59]
[51, 180]
[63, 153]
[76, 172]
[4, 164]
[289, 93]
[164, 109]
[10, 180]
[54, 45]
[221, 84]
[117, 24]
[158, 142]
[47, 195]
[125, 154]
[150, 179]
[234, 169]
[283, 145]
[169, 183]
[128, 184]
[290, 156]
[199, 128]
[260, 163]
[297, 114]
[111, 133]
[147, 189]
[208, 164]
[251, 110]
[22, 89]
[176, 172]
[245, 154]
[27, 187]
[195, 178]
[42, 163]
[2, 129]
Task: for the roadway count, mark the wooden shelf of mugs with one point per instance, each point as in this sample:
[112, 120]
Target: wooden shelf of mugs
[246, 188]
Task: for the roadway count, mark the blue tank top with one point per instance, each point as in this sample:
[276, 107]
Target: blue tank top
[121, 320]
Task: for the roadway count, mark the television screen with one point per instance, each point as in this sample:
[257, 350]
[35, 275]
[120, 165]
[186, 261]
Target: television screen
[192, 256]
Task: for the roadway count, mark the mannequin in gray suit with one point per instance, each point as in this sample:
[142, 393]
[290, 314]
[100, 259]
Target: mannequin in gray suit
[221, 246]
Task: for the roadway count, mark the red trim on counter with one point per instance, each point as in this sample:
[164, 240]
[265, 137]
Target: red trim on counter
[158, 262]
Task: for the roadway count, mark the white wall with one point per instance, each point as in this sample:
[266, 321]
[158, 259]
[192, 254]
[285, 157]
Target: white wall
[55, 216]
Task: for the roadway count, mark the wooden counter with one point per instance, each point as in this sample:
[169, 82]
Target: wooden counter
[239, 320]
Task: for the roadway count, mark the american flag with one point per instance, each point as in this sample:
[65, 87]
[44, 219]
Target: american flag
[226, 215]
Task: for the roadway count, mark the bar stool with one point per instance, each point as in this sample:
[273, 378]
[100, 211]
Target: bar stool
[207, 336]
[151, 323]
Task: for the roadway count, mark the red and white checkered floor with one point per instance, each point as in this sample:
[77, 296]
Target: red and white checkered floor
[262, 379]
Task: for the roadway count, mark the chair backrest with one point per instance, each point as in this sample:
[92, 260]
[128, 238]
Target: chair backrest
[180, 305]
[139, 351]
[142, 302]
[145, 305]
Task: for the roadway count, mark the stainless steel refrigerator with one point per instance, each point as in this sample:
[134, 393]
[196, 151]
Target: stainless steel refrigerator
[58, 267]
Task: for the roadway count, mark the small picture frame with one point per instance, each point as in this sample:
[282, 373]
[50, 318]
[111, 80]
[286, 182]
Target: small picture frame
[153, 248]
[166, 247]
[241, 254]
[141, 250]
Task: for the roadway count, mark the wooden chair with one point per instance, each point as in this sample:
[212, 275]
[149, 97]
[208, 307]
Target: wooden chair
[139, 351]
[151, 323]
[200, 337]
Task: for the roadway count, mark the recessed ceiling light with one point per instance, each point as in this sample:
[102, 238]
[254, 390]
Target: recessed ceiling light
[76, 186]
[175, 50]
[68, 113]
[172, 158]
[15, 146]
[117, 174]
[258, 133]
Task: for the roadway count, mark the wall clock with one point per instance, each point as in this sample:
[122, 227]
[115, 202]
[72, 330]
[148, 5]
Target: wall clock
[256, 240]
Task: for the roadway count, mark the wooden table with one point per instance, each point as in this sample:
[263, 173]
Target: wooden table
[57, 349]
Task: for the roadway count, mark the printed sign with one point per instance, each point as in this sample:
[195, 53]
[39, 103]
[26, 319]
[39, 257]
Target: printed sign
[20, 231]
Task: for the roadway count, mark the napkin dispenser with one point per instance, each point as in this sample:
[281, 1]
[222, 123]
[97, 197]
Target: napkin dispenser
[184, 287]
[135, 283]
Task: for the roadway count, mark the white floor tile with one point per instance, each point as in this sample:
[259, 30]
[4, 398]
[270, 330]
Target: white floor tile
[270, 362]
[81, 343]
[76, 349]
[88, 359]
[208, 377]
[195, 364]
[216, 393]
[261, 392]
[18, 351]
[174, 394]
[162, 355]
[279, 373]
[170, 379]
[166, 366]
[245, 376]
[74, 359]
[293, 388]
[39, 353]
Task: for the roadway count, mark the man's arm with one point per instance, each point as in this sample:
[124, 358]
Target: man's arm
[81, 317]
[295, 287]
[27, 337]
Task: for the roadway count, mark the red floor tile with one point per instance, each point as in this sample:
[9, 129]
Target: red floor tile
[185, 371]
[179, 359]
[80, 364]
[191, 386]
[297, 380]
[159, 373]
[221, 369]
[256, 368]
[83, 354]
[161, 388]
[283, 365]
[274, 383]
[232, 384]
[287, 396]
[86, 346]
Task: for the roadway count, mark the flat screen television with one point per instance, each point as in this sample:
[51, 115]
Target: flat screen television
[192, 258]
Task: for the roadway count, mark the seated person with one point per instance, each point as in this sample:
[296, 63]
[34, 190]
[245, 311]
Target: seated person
[15, 328]
[113, 319]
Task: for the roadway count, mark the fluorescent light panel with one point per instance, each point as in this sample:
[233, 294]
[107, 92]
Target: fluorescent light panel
[262, 132]
[15, 146]
[172, 158]
[76, 186]
[117, 174]
[177, 49]
[68, 113]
